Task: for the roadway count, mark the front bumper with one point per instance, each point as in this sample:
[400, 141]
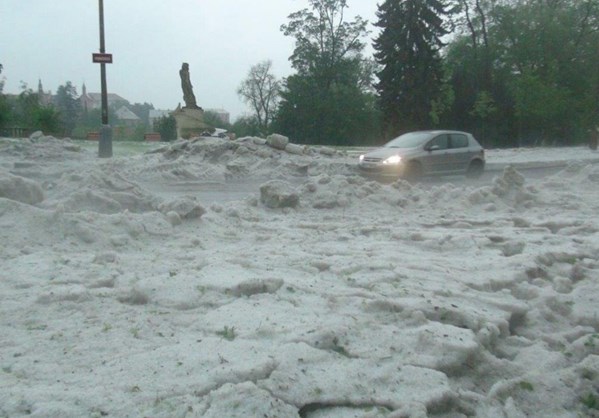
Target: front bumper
[380, 169]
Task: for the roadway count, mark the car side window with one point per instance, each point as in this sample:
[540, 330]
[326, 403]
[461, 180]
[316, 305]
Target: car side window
[441, 141]
[459, 141]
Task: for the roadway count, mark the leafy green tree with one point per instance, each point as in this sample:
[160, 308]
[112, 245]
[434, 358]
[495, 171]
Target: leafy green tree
[340, 115]
[535, 62]
[475, 18]
[441, 106]
[328, 99]
[30, 114]
[554, 52]
[68, 106]
[481, 101]
[483, 109]
[323, 39]
[26, 104]
[5, 109]
[408, 51]
[46, 119]
[5, 113]
[26, 100]
[246, 126]
[260, 90]
[166, 126]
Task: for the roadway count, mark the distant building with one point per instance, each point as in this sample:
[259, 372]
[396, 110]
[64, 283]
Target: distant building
[91, 101]
[126, 117]
[222, 115]
[45, 98]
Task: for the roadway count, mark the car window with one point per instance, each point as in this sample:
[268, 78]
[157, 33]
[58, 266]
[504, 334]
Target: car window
[441, 141]
[459, 141]
[409, 140]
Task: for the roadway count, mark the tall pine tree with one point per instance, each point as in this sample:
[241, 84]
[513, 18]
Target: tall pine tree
[407, 50]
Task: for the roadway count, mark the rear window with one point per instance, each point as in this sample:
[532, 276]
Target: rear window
[459, 141]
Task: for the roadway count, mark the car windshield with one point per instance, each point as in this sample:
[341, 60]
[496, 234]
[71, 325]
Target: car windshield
[409, 140]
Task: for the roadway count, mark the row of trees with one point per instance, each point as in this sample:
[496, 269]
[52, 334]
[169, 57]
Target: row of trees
[513, 72]
[527, 70]
[330, 99]
[29, 110]
[62, 115]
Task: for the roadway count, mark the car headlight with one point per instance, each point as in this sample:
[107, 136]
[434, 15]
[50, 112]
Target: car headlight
[394, 159]
[361, 158]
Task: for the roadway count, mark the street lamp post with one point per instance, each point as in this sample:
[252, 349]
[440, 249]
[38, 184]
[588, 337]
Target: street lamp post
[105, 144]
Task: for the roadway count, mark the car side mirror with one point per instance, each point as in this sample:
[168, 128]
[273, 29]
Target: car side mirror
[432, 148]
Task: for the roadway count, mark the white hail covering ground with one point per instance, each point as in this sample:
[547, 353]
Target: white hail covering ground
[323, 294]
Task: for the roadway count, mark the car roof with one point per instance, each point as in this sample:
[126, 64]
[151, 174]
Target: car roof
[443, 131]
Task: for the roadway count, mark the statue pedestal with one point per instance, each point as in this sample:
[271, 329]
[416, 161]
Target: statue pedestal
[190, 122]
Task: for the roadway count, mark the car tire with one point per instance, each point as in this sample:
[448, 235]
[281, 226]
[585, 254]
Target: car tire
[413, 171]
[475, 169]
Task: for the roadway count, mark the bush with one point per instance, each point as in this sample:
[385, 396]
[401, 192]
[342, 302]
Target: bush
[166, 126]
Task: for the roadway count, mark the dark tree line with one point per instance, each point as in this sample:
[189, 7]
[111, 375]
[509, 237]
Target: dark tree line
[539, 69]
[27, 110]
[513, 72]
[34, 110]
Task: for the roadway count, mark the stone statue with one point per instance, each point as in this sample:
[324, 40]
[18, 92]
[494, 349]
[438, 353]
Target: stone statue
[188, 96]
[189, 118]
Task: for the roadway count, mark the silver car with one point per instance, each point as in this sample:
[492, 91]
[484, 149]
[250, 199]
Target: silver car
[421, 153]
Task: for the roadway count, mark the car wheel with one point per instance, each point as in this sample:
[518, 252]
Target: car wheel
[475, 169]
[413, 170]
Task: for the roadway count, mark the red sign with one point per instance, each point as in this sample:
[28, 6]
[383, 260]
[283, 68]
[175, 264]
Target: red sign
[102, 58]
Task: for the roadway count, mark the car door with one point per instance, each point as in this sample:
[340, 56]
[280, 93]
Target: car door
[459, 154]
[434, 159]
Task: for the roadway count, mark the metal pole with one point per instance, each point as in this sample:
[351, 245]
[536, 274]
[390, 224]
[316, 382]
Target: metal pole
[105, 144]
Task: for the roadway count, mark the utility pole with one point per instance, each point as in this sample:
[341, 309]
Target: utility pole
[105, 143]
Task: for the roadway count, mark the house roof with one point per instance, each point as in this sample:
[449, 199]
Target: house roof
[125, 114]
[112, 97]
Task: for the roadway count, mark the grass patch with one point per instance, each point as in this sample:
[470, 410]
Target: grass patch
[227, 333]
[135, 332]
[590, 401]
[590, 342]
[526, 386]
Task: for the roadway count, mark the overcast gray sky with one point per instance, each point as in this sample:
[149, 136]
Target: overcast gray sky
[149, 39]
